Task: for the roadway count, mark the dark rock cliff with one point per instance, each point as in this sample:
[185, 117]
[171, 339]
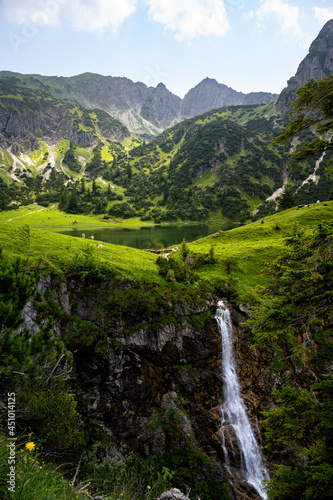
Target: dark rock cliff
[156, 386]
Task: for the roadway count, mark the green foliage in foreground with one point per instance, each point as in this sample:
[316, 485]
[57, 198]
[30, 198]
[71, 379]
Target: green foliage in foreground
[118, 478]
[35, 365]
[294, 324]
[298, 307]
[303, 422]
[313, 108]
[34, 479]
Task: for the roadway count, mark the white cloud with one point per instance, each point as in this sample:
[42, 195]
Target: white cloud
[323, 14]
[90, 15]
[287, 17]
[190, 18]
[248, 15]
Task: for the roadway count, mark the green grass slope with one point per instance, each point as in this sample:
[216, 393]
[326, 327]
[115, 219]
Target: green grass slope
[246, 250]
[241, 253]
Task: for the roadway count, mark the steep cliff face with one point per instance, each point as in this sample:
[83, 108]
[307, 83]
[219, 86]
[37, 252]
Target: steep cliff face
[156, 386]
[317, 65]
[160, 107]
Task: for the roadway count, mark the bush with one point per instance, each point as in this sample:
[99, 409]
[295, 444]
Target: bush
[51, 413]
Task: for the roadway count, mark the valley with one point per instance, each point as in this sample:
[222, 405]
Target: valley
[132, 372]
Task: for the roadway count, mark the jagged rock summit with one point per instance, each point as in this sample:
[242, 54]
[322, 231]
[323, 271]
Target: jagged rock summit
[209, 94]
[318, 64]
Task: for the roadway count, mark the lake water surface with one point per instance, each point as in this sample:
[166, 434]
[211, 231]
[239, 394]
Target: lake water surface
[146, 237]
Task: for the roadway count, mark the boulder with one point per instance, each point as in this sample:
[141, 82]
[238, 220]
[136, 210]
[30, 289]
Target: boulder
[173, 494]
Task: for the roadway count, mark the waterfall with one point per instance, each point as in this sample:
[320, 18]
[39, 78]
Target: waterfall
[234, 411]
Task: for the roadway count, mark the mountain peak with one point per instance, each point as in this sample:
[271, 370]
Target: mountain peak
[210, 94]
[209, 80]
[327, 27]
[318, 64]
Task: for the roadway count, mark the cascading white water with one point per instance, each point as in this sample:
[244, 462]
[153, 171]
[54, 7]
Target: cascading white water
[234, 411]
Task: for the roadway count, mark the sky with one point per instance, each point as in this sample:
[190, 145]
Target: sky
[249, 45]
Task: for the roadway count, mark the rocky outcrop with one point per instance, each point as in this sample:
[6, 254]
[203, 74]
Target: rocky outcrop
[51, 124]
[317, 65]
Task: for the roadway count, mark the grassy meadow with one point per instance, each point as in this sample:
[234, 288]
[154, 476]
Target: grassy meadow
[246, 250]
[249, 248]
[38, 217]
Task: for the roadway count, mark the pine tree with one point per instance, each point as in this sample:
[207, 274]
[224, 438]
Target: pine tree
[286, 200]
[294, 326]
[72, 203]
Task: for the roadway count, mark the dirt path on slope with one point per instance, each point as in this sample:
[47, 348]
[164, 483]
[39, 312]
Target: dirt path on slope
[35, 211]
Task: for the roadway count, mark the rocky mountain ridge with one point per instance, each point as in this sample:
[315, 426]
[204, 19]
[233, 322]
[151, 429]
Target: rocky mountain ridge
[152, 109]
[29, 113]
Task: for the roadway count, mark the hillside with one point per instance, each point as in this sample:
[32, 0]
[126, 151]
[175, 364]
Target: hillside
[217, 162]
[144, 397]
[215, 165]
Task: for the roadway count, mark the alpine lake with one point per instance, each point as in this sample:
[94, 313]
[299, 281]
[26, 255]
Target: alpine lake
[146, 237]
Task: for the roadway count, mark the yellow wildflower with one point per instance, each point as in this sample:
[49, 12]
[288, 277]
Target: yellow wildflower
[148, 487]
[30, 446]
